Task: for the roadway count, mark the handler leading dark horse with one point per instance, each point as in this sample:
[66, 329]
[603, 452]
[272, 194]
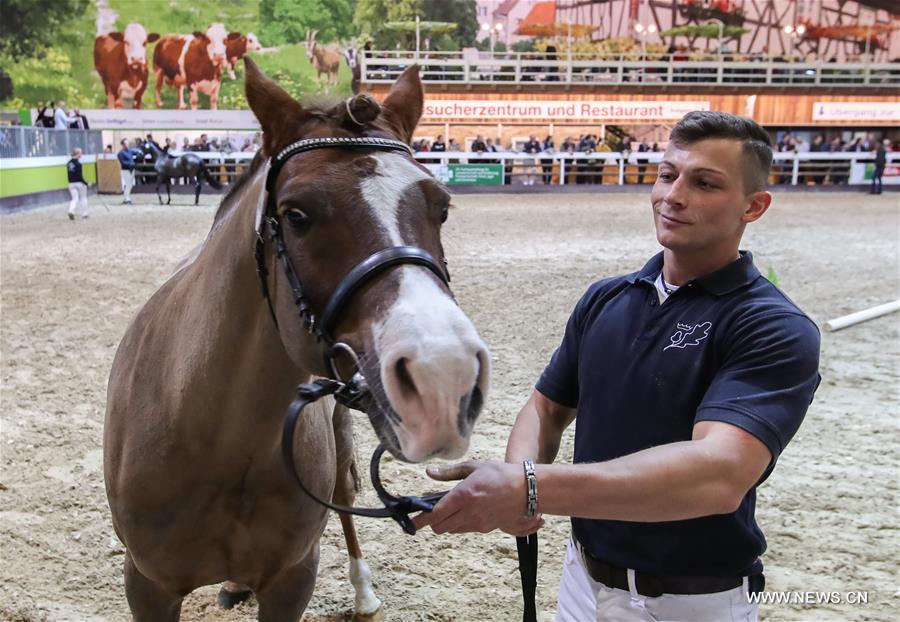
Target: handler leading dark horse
[686, 379]
[170, 167]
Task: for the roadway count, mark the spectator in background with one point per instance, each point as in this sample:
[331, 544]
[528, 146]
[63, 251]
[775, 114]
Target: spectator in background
[186, 144]
[642, 164]
[45, 116]
[77, 185]
[438, 144]
[61, 118]
[127, 164]
[531, 147]
[452, 145]
[548, 147]
[880, 163]
[490, 146]
[478, 145]
[169, 145]
[80, 122]
[107, 150]
[588, 168]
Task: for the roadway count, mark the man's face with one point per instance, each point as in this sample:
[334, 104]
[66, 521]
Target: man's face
[699, 199]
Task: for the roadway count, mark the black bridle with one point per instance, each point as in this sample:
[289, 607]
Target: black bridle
[353, 393]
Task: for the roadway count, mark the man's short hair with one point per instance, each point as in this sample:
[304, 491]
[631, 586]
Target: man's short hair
[757, 145]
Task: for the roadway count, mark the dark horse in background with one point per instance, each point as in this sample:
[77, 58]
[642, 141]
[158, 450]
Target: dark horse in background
[169, 167]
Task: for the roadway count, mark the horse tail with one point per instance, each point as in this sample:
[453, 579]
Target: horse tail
[212, 181]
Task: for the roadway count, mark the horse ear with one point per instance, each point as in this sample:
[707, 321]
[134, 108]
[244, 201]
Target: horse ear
[279, 114]
[403, 107]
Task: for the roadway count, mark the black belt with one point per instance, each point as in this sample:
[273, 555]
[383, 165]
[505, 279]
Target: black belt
[653, 586]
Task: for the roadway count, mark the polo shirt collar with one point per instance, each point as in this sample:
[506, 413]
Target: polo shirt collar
[737, 274]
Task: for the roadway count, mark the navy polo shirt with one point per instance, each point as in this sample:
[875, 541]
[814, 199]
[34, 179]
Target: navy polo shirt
[729, 346]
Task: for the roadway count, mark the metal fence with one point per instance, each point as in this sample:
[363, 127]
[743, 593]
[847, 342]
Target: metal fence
[31, 142]
[614, 168]
[634, 70]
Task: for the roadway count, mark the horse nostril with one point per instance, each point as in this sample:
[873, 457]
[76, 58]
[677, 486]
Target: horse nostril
[404, 378]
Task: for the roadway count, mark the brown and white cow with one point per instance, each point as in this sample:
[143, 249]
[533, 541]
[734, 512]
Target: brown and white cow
[235, 49]
[195, 61]
[121, 60]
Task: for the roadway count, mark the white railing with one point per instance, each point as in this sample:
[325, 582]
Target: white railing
[17, 141]
[613, 167]
[632, 69]
[598, 167]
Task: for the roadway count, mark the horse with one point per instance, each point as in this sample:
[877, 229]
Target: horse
[188, 165]
[196, 484]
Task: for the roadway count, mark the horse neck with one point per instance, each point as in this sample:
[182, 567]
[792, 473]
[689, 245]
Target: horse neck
[235, 333]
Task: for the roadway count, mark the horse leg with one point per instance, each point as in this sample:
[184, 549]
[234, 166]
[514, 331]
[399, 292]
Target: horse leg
[157, 190]
[149, 601]
[366, 605]
[169, 190]
[285, 598]
[197, 189]
[232, 594]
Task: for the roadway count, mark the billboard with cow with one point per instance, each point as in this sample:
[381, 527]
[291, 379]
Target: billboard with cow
[176, 54]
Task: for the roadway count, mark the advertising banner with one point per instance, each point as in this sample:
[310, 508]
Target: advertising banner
[884, 111]
[559, 110]
[475, 174]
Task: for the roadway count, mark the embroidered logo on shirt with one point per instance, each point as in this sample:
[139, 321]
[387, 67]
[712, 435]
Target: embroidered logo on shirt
[688, 335]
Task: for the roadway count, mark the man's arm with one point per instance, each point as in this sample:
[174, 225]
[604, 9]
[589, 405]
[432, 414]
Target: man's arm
[538, 430]
[709, 474]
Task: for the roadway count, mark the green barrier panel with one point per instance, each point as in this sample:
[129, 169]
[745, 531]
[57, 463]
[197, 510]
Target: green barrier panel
[18, 181]
[475, 174]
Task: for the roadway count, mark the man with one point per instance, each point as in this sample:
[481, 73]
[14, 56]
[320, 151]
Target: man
[61, 119]
[127, 164]
[78, 186]
[687, 379]
[438, 144]
[80, 122]
[880, 163]
[478, 145]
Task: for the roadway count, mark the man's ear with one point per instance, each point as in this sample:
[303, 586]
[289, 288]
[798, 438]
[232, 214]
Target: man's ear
[402, 108]
[758, 203]
[279, 114]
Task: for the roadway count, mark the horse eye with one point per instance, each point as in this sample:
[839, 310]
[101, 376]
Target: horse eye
[445, 211]
[297, 218]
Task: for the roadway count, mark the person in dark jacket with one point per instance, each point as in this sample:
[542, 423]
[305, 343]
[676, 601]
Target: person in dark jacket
[77, 185]
[126, 162]
[880, 162]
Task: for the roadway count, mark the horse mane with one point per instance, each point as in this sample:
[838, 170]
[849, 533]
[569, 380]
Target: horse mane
[228, 201]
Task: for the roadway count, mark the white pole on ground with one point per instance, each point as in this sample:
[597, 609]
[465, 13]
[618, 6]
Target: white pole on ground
[862, 316]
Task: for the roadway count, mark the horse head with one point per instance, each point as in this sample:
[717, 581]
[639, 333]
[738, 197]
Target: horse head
[425, 365]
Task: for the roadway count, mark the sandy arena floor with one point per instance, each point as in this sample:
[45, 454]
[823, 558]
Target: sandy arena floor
[830, 511]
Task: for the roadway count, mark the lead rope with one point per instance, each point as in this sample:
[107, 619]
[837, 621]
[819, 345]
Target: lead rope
[527, 548]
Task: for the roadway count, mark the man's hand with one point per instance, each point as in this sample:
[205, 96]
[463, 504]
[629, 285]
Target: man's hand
[491, 496]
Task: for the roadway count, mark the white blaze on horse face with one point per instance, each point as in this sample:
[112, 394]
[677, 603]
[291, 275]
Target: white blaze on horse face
[216, 34]
[430, 354]
[135, 38]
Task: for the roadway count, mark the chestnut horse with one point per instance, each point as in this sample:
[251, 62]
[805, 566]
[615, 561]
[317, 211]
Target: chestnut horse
[204, 374]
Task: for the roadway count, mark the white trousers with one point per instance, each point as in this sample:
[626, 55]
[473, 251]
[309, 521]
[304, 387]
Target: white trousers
[581, 599]
[127, 184]
[78, 192]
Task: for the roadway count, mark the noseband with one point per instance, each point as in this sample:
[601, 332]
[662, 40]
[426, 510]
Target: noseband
[353, 393]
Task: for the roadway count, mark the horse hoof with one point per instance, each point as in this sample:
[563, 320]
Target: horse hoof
[375, 616]
[228, 600]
